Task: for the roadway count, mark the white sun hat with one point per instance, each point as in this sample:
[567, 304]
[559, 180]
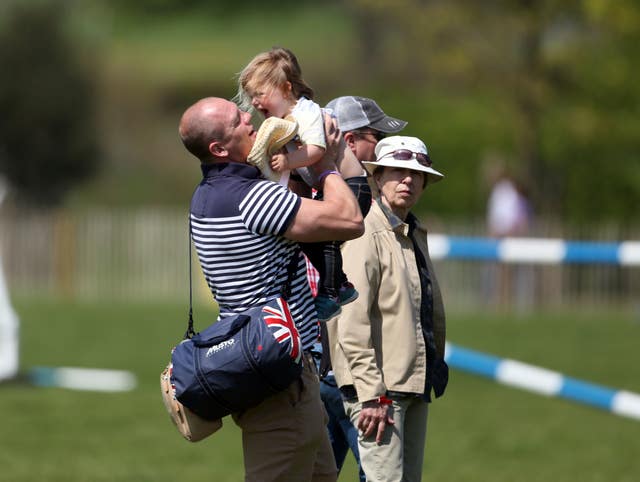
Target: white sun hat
[406, 152]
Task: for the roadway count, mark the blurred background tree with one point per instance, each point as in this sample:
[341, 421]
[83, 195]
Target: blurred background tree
[560, 72]
[48, 133]
[546, 88]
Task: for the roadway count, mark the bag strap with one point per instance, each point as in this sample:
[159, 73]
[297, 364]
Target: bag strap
[291, 272]
[285, 290]
[190, 331]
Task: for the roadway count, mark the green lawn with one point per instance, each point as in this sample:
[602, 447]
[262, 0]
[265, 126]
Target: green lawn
[479, 431]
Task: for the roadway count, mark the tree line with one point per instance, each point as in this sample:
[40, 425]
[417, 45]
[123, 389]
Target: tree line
[547, 87]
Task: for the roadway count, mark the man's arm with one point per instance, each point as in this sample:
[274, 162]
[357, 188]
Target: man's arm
[338, 216]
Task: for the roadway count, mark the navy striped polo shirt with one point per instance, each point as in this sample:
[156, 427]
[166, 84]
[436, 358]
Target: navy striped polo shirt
[238, 220]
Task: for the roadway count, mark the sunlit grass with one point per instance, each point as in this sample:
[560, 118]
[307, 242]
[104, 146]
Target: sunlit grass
[479, 431]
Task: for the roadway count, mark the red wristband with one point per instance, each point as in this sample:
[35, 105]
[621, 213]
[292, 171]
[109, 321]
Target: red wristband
[382, 400]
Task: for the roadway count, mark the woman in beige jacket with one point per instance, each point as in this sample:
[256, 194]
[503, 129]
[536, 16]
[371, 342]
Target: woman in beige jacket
[388, 345]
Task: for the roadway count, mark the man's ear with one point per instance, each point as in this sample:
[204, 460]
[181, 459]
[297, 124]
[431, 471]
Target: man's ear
[350, 139]
[217, 149]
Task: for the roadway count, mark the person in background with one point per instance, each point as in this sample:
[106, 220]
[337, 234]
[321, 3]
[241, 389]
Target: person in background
[363, 124]
[388, 348]
[284, 437]
[508, 209]
[509, 214]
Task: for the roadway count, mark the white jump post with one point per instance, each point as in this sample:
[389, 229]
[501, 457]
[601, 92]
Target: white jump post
[9, 325]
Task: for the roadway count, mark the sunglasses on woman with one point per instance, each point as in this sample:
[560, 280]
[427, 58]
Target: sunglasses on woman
[406, 154]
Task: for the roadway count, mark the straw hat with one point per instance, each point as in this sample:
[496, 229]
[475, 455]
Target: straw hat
[271, 136]
[191, 426]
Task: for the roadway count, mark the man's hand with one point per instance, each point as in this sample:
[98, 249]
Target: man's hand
[374, 417]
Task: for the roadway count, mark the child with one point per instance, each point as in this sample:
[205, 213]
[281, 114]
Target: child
[272, 85]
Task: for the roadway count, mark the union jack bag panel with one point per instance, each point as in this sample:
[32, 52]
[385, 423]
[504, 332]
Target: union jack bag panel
[278, 319]
[239, 361]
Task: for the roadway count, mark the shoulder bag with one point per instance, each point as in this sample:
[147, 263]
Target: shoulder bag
[235, 363]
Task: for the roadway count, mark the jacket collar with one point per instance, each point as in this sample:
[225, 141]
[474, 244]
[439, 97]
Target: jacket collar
[395, 223]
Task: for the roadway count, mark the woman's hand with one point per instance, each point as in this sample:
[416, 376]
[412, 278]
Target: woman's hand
[374, 417]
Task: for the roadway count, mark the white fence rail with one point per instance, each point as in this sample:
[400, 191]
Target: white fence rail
[135, 254]
[141, 254]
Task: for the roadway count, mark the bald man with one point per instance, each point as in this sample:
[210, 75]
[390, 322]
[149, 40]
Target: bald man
[245, 230]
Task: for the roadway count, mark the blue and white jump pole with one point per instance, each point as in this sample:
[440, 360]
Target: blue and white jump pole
[521, 375]
[534, 250]
[542, 381]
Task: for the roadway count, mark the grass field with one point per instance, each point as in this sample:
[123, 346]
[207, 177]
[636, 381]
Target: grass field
[479, 431]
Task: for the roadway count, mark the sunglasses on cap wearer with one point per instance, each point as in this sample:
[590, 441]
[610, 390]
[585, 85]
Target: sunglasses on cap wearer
[378, 136]
[406, 154]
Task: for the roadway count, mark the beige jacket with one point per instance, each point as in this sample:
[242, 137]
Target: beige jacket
[377, 342]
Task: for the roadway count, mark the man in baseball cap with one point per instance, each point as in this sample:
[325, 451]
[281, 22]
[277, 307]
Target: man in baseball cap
[363, 123]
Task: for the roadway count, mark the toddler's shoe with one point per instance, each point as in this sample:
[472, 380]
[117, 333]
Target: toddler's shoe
[326, 307]
[347, 293]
